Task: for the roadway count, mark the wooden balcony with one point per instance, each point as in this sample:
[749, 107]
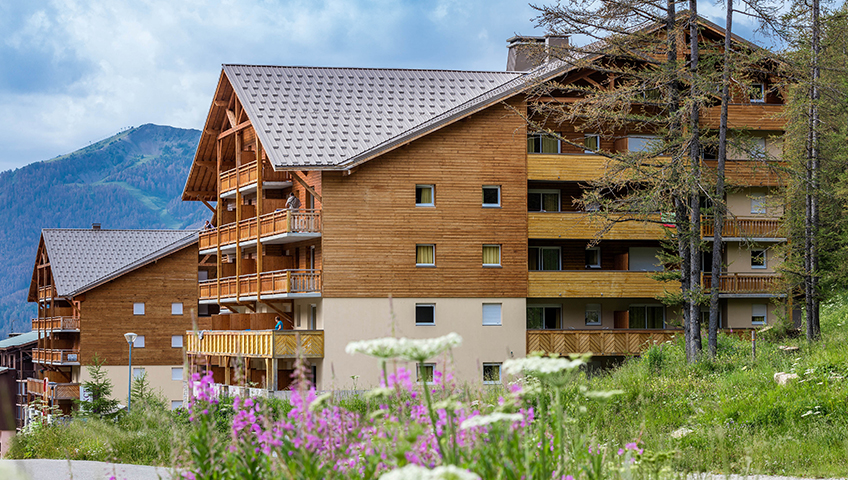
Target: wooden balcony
[242, 178]
[745, 284]
[277, 227]
[55, 356]
[55, 391]
[67, 324]
[257, 344]
[46, 293]
[750, 173]
[578, 225]
[622, 342]
[596, 284]
[280, 284]
[570, 168]
[763, 229]
[746, 116]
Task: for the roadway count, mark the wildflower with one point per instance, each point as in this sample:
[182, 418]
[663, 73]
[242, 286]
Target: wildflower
[420, 350]
[541, 365]
[320, 401]
[483, 420]
[602, 394]
[414, 472]
[384, 348]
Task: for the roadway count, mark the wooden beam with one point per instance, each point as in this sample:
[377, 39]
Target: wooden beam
[220, 103]
[231, 116]
[210, 207]
[233, 130]
[203, 260]
[307, 187]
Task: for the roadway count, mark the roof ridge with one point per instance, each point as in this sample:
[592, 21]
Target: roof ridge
[397, 69]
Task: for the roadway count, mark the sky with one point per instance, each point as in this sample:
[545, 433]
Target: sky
[77, 71]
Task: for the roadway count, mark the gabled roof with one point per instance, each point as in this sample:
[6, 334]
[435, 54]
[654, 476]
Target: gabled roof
[19, 340]
[81, 259]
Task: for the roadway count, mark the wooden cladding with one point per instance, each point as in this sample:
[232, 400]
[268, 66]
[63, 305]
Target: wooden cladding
[547, 225]
[747, 116]
[605, 342]
[248, 173]
[56, 356]
[257, 344]
[46, 293]
[268, 283]
[608, 284]
[750, 173]
[744, 228]
[567, 168]
[274, 223]
[743, 284]
[56, 323]
[57, 391]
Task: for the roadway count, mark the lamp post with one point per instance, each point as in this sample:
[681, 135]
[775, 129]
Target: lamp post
[130, 339]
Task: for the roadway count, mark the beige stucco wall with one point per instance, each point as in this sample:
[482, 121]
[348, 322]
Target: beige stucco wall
[739, 311]
[159, 377]
[739, 257]
[348, 319]
[739, 203]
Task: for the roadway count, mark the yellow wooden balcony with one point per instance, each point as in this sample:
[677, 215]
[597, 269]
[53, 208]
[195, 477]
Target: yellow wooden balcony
[247, 175]
[759, 284]
[57, 391]
[277, 227]
[46, 293]
[55, 356]
[257, 344]
[566, 168]
[756, 116]
[578, 225]
[744, 228]
[621, 342]
[596, 284]
[68, 324]
[277, 283]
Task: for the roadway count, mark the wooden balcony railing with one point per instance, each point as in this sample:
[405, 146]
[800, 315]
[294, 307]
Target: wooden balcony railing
[258, 344]
[604, 342]
[268, 283]
[248, 174]
[56, 323]
[46, 293]
[743, 228]
[579, 225]
[55, 356]
[58, 391]
[274, 223]
[596, 283]
[743, 283]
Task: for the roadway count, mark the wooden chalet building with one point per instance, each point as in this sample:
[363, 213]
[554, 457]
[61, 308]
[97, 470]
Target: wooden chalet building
[426, 207]
[92, 286]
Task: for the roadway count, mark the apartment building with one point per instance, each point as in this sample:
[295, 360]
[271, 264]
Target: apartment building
[94, 285]
[424, 206]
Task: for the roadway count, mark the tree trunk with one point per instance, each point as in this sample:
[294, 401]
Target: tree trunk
[694, 191]
[812, 217]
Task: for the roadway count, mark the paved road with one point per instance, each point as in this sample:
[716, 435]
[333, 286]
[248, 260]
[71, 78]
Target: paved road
[77, 470]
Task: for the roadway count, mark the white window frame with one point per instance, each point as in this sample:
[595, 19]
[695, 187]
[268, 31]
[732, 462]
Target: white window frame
[177, 372]
[500, 373]
[177, 308]
[499, 255]
[539, 136]
[542, 191]
[762, 89]
[765, 258]
[137, 372]
[432, 188]
[138, 308]
[431, 245]
[759, 310]
[432, 306]
[598, 264]
[431, 366]
[492, 205]
[758, 204]
[648, 139]
[593, 307]
[597, 138]
[175, 404]
[177, 341]
[494, 310]
[138, 342]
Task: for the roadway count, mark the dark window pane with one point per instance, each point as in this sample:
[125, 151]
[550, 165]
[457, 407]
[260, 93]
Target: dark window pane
[637, 317]
[534, 202]
[425, 314]
[654, 317]
[551, 318]
[551, 202]
[490, 196]
[534, 318]
[550, 259]
[533, 259]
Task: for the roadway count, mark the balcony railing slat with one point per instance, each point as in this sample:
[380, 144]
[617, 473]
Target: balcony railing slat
[605, 342]
[261, 344]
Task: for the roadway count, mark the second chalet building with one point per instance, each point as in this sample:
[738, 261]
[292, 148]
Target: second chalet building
[426, 207]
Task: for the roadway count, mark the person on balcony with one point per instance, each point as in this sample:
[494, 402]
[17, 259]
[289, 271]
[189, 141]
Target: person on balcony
[279, 324]
[293, 203]
[208, 226]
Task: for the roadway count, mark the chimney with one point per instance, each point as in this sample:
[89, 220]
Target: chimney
[95, 226]
[526, 53]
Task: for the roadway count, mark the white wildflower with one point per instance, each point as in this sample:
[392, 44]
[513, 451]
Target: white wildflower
[417, 350]
[384, 348]
[414, 472]
[319, 403]
[602, 394]
[379, 393]
[483, 420]
[540, 365]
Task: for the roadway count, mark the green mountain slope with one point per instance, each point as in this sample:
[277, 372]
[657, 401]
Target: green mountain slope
[131, 180]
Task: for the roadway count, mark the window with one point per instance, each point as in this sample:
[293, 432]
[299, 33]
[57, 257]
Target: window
[139, 342]
[593, 257]
[313, 316]
[758, 204]
[491, 196]
[492, 314]
[176, 341]
[137, 372]
[758, 148]
[705, 317]
[176, 309]
[758, 259]
[758, 92]
[424, 372]
[641, 143]
[544, 317]
[758, 313]
[177, 373]
[138, 309]
[491, 373]
[424, 195]
[542, 144]
[544, 258]
[592, 142]
[491, 255]
[175, 404]
[425, 255]
[425, 314]
[647, 316]
[297, 314]
[543, 200]
[203, 311]
[593, 314]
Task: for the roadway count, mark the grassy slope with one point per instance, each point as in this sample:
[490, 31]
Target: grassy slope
[741, 420]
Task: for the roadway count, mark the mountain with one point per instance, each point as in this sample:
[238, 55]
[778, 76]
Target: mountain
[131, 180]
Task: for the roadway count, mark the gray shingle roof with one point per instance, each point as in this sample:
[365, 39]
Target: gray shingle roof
[332, 117]
[81, 259]
[19, 340]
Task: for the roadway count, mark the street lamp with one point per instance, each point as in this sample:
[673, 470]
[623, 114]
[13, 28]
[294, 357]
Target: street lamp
[130, 339]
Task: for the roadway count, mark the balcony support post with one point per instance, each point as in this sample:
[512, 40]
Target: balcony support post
[259, 194]
[219, 207]
[238, 217]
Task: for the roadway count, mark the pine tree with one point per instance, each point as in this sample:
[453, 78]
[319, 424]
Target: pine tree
[99, 389]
